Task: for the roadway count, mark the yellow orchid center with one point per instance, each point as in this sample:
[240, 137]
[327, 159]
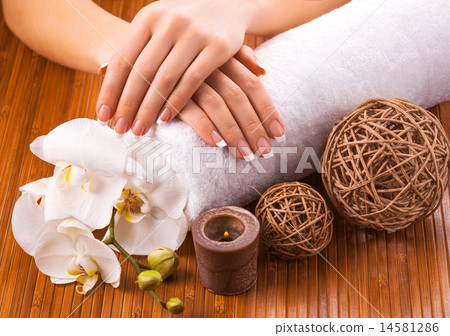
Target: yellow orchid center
[87, 274]
[134, 204]
[75, 175]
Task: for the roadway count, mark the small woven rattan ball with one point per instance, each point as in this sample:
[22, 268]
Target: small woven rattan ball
[386, 164]
[295, 220]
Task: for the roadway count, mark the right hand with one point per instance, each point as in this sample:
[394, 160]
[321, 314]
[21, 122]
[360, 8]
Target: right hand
[233, 107]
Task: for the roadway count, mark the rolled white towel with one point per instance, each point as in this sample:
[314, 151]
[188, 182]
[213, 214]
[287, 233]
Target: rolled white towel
[317, 73]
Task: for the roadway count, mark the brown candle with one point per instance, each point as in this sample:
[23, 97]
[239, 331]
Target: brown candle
[226, 247]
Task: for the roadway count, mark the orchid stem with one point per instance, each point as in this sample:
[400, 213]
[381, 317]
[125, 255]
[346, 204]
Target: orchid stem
[156, 297]
[137, 265]
[128, 256]
[144, 266]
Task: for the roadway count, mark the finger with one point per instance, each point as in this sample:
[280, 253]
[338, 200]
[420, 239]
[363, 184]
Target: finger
[248, 58]
[216, 108]
[119, 67]
[262, 103]
[192, 114]
[165, 80]
[138, 82]
[242, 111]
[205, 63]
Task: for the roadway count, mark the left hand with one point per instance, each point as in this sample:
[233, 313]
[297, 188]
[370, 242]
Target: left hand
[174, 45]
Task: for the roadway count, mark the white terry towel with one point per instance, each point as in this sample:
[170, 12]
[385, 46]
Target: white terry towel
[317, 73]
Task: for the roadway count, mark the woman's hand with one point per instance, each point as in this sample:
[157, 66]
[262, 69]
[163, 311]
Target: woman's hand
[175, 46]
[232, 108]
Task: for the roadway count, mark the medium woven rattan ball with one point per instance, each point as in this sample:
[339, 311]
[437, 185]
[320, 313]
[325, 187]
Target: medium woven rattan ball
[386, 165]
[295, 220]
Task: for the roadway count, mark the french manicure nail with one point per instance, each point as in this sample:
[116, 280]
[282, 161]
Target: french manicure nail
[104, 113]
[277, 131]
[217, 139]
[264, 148]
[245, 150]
[164, 116]
[121, 125]
[102, 123]
[138, 128]
[261, 67]
[102, 70]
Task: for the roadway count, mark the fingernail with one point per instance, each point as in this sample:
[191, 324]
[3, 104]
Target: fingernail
[121, 125]
[164, 116]
[138, 128]
[260, 67]
[104, 113]
[277, 131]
[102, 123]
[245, 150]
[102, 70]
[264, 148]
[217, 139]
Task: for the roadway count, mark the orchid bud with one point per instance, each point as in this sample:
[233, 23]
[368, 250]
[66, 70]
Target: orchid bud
[163, 260]
[149, 280]
[175, 305]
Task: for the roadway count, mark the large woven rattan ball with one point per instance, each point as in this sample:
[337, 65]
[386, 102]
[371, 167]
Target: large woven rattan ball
[295, 220]
[386, 164]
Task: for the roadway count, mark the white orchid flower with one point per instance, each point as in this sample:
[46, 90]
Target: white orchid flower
[151, 215]
[66, 250]
[89, 174]
[73, 254]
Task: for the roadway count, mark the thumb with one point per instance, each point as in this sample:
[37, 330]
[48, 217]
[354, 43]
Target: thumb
[248, 58]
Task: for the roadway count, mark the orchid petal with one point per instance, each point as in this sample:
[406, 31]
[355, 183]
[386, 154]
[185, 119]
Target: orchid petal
[92, 208]
[88, 265]
[28, 224]
[73, 228]
[76, 176]
[55, 254]
[87, 283]
[85, 143]
[63, 281]
[36, 188]
[140, 150]
[134, 217]
[52, 208]
[168, 195]
[103, 257]
[141, 238]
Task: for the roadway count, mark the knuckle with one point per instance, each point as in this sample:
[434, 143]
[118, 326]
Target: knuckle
[252, 83]
[127, 107]
[119, 64]
[202, 120]
[252, 125]
[233, 93]
[166, 80]
[176, 100]
[195, 76]
[230, 129]
[220, 43]
[267, 110]
[211, 98]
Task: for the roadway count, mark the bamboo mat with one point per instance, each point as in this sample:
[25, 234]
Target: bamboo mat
[363, 273]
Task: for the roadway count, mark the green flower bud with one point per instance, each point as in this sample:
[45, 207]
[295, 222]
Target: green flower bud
[149, 280]
[163, 260]
[175, 305]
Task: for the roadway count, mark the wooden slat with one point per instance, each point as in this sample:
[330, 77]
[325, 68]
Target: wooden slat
[368, 273]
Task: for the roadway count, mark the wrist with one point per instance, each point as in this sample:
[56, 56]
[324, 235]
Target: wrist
[249, 10]
[110, 41]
